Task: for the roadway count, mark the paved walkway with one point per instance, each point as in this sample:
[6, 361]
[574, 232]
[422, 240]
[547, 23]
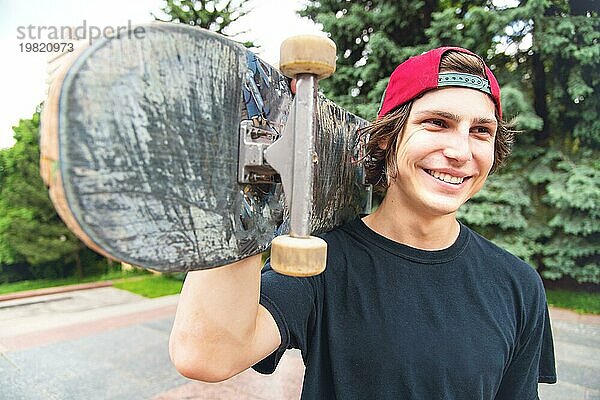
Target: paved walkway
[577, 350]
[105, 343]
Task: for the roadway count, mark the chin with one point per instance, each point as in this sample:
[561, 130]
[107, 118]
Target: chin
[439, 205]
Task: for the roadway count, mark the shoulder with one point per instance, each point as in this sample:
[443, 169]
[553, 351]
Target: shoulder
[346, 246]
[503, 263]
[343, 235]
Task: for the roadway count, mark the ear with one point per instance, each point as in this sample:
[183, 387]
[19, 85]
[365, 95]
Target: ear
[383, 145]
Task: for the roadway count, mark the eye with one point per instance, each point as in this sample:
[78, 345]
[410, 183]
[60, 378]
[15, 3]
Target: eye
[483, 131]
[436, 122]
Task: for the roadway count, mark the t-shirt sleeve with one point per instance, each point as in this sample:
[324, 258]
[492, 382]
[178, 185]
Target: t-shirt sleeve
[547, 362]
[293, 304]
[533, 359]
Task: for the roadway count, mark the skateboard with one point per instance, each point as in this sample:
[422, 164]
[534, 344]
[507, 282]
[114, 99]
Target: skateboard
[153, 149]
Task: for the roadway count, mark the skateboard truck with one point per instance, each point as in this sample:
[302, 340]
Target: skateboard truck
[252, 166]
[307, 59]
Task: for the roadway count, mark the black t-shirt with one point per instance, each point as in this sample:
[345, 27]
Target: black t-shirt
[388, 321]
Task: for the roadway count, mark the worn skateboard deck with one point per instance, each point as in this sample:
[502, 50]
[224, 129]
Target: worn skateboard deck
[140, 144]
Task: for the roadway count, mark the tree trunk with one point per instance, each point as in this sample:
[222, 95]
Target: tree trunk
[539, 84]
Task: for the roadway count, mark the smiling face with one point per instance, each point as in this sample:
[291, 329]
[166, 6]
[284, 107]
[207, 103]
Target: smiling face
[445, 153]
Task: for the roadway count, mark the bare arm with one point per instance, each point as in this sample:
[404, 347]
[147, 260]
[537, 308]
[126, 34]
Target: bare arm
[220, 329]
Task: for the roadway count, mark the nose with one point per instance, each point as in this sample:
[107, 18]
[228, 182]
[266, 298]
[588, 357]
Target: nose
[458, 147]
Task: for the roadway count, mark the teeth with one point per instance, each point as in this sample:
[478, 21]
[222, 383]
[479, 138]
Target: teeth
[445, 177]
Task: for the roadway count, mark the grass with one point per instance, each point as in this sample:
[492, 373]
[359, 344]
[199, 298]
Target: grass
[151, 285]
[46, 283]
[581, 302]
[162, 285]
[139, 282]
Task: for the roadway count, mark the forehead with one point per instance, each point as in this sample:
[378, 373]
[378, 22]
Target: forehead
[464, 102]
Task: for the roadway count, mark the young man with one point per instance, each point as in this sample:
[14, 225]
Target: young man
[413, 304]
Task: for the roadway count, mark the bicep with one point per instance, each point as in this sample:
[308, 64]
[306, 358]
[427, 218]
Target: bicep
[265, 341]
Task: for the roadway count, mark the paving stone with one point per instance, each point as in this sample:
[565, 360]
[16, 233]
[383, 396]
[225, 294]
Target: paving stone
[130, 360]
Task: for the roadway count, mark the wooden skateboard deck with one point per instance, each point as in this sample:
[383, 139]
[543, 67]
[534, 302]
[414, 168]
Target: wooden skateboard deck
[140, 145]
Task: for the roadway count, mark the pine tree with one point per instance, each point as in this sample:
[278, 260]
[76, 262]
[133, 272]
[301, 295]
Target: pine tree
[216, 16]
[372, 37]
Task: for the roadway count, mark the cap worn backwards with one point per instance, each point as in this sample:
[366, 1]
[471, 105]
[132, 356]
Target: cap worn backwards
[421, 73]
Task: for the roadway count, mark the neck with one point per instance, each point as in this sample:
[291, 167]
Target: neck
[425, 232]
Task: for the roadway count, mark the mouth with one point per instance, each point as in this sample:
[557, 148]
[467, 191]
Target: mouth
[447, 178]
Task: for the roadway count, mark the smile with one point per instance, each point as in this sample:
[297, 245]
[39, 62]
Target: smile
[455, 180]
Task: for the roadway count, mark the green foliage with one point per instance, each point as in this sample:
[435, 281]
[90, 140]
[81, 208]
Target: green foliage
[544, 205]
[516, 101]
[372, 37]
[30, 229]
[571, 58]
[573, 192]
[497, 207]
[580, 302]
[152, 286]
[111, 274]
[216, 16]
[500, 212]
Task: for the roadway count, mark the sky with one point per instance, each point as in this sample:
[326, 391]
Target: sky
[22, 81]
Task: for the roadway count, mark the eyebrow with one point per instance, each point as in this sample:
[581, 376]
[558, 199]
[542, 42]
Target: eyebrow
[454, 117]
[482, 120]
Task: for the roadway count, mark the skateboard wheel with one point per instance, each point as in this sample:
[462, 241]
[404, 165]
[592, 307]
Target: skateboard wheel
[307, 54]
[298, 256]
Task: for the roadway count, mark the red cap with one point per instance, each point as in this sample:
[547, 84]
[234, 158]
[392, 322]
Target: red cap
[421, 73]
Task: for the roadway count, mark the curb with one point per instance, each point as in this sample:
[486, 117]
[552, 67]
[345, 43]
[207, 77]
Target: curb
[53, 290]
[562, 314]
